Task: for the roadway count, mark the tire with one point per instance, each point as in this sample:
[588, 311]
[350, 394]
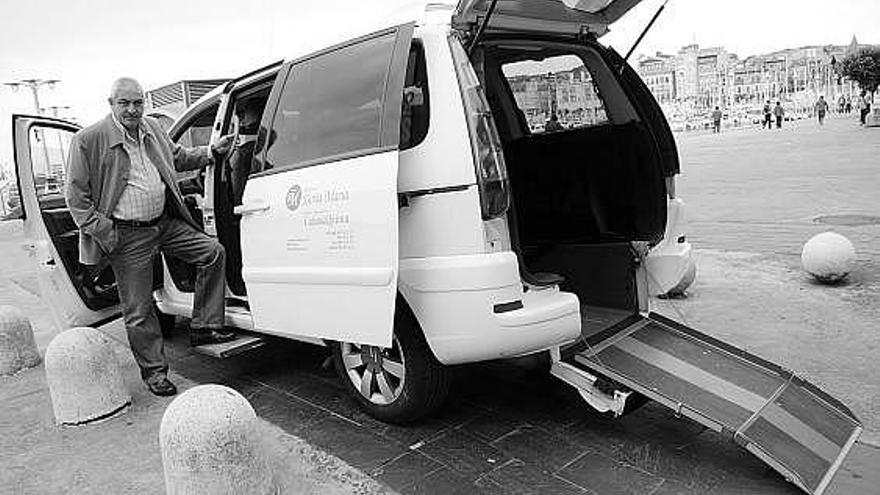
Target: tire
[167, 323]
[410, 382]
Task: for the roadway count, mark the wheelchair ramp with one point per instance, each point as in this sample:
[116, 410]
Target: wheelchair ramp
[791, 425]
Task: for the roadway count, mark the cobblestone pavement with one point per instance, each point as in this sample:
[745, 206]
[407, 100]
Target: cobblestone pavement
[751, 197]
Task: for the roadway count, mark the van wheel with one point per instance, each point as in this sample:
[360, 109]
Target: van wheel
[397, 384]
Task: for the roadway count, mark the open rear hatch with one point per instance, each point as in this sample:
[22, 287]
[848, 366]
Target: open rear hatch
[543, 16]
[788, 423]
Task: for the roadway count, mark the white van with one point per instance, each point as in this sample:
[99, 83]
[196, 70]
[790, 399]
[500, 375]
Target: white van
[482, 183]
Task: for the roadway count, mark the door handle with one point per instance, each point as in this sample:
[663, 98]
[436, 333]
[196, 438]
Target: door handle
[251, 208]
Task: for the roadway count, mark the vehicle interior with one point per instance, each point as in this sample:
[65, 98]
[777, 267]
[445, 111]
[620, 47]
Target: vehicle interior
[95, 284]
[196, 131]
[584, 170]
[249, 104]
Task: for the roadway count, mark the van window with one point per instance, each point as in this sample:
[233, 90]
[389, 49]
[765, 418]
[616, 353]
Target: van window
[331, 104]
[555, 93]
[49, 149]
[197, 131]
[415, 112]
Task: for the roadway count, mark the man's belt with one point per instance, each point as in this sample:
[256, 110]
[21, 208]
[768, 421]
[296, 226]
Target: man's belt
[137, 223]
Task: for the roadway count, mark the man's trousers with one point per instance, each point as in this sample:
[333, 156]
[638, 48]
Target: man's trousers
[132, 262]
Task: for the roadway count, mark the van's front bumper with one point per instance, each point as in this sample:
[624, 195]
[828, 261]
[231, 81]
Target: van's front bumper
[473, 308]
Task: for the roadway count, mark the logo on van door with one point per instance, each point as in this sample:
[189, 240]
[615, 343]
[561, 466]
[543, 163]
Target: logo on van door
[294, 197]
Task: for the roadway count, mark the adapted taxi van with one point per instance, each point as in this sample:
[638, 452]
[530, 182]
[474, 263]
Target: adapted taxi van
[482, 183]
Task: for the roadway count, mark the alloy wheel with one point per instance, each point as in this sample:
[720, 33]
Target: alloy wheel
[378, 373]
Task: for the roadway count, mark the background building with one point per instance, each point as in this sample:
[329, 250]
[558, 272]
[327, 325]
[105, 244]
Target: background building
[691, 83]
[168, 102]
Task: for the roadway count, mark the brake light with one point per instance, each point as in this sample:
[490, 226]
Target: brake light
[485, 145]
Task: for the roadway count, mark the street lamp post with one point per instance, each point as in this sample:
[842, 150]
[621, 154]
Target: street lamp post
[34, 85]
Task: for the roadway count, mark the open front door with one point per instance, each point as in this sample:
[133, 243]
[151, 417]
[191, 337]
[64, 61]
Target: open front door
[319, 217]
[76, 294]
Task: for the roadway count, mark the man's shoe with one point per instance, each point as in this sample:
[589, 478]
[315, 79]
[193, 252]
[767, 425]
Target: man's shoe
[205, 337]
[161, 387]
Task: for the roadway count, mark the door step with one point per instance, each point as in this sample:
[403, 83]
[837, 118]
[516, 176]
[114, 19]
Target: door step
[224, 350]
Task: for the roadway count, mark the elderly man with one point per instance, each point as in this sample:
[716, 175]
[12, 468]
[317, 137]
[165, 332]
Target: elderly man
[123, 195]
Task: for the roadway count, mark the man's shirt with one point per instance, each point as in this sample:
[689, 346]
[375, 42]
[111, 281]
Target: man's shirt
[144, 195]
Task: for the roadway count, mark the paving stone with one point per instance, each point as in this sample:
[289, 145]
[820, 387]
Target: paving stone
[656, 423]
[672, 487]
[605, 476]
[353, 444]
[452, 416]
[464, 453]
[445, 481]
[859, 470]
[538, 447]
[769, 483]
[520, 478]
[601, 434]
[668, 462]
[327, 392]
[287, 412]
[406, 470]
[488, 427]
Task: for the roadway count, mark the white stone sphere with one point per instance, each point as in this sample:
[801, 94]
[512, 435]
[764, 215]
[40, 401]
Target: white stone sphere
[84, 377]
[18, 350]
[211, 445]
[829, 257]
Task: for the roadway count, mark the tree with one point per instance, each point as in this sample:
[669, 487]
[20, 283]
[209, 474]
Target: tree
[862, 67]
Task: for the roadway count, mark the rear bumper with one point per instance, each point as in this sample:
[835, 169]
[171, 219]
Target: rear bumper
[472, 308]
[670, 264]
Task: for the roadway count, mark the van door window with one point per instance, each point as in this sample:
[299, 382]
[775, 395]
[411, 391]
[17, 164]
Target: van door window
[415, 111]
[555, 93]
[49, 149]
[331, 105]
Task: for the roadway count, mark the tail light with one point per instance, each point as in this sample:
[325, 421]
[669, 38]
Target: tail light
[486, 146]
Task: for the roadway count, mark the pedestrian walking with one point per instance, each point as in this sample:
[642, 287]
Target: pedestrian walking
[841, 104]
[821, 108]
[716, 120]
[768, 116]
[553, 124]
[864, 103]
[848, 104]
[778, 112]
[123, 195]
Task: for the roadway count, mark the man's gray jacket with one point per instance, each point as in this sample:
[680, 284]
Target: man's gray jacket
[97, 172]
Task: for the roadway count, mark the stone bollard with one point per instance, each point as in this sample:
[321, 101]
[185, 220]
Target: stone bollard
[18, 350]
[211, 445]
[85, 380]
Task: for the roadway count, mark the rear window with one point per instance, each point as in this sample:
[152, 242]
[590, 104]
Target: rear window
[555, 94]
[331, 104]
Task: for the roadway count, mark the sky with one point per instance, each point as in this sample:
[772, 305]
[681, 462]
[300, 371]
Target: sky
[88, 44]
